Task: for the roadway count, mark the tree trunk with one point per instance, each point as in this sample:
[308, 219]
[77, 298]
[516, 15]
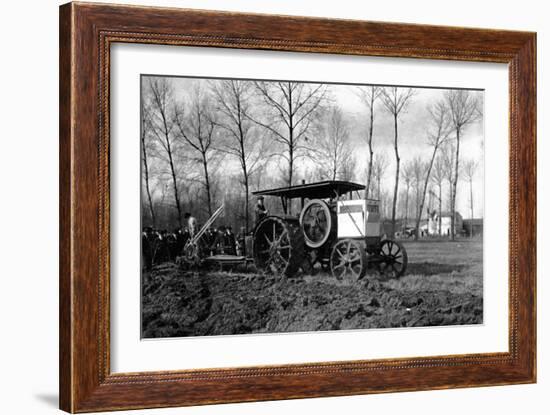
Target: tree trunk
[407, 207]
[172, 168]
[207, 184]
[396, 187]
[455, 181]
[246, 207]
[290, 168]
[421, 204]
[371, 153]
[471, 210]
[369, 173]
[290, 145]
[174, 181]
[440, 207]
[246, 192]
[245, 170]
[147, 189]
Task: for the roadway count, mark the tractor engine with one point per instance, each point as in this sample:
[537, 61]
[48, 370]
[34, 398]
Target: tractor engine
[359, 219]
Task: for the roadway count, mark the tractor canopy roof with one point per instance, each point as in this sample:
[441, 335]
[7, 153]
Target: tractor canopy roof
[320, 190]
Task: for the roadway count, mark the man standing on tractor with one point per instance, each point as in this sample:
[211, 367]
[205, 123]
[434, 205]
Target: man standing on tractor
[261, 211]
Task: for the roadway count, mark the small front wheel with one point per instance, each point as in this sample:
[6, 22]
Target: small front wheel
[393, 259]
[348, 260]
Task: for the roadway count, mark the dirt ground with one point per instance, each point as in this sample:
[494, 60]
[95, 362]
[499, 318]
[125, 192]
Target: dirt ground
[443, 286]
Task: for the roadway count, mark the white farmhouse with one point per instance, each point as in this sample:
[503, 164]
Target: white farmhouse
[434, 223]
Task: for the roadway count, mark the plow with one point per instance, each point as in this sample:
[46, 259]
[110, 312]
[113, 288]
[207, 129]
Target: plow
[193, 248]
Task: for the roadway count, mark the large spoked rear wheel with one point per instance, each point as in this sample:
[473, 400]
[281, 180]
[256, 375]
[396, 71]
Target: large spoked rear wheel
[393, 259]
[348, 260]
[279, 246]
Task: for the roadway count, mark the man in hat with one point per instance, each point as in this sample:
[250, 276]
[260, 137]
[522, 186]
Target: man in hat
[217, 246]
[260, 211]
[229, 241]
[210, 238]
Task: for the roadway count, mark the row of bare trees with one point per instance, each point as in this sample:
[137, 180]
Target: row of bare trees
[448, 119]
[191, 135]
[250, 123]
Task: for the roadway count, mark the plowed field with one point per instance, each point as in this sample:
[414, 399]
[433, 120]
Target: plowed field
[443, 286]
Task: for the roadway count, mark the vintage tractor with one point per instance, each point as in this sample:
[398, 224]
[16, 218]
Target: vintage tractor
[341, 233]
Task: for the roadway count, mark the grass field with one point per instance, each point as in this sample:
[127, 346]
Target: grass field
[434, 265]
[443, 285]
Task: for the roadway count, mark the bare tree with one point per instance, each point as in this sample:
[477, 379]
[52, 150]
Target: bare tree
[369, 95]
[161, 205]
[146, 145]
[438, 178]
[438, 132]
[408, 179]
[448, 157]
[470, 169]
[386, 198]
[333, 151]
[348, 169]
[234, 105]
[396, 101]
[464, 110]
[160, 102]
[195, 126]
[291, 108]
[379, 166]
[419, 168]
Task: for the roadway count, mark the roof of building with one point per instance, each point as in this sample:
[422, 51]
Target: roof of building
[448, 214]
[320, 190]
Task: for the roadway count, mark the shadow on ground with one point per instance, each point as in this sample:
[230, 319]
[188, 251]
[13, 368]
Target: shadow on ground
[50, 399]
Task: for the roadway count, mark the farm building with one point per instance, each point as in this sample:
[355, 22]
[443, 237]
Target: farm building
[433, 223]
[404, 229]
[431, 226]
[473, 227]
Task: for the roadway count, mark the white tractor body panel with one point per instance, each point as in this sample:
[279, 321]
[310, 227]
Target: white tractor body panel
[358, 218]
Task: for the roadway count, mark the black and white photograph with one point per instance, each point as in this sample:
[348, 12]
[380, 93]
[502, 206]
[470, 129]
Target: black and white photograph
[276, 206]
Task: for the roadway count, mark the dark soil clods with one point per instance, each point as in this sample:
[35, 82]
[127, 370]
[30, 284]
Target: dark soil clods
[177, 304]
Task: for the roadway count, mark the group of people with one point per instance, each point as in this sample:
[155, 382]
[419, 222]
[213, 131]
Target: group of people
[222, 241]
[160, 246]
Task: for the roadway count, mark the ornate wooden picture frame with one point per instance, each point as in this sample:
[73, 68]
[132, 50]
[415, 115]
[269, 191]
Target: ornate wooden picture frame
[87, 32]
